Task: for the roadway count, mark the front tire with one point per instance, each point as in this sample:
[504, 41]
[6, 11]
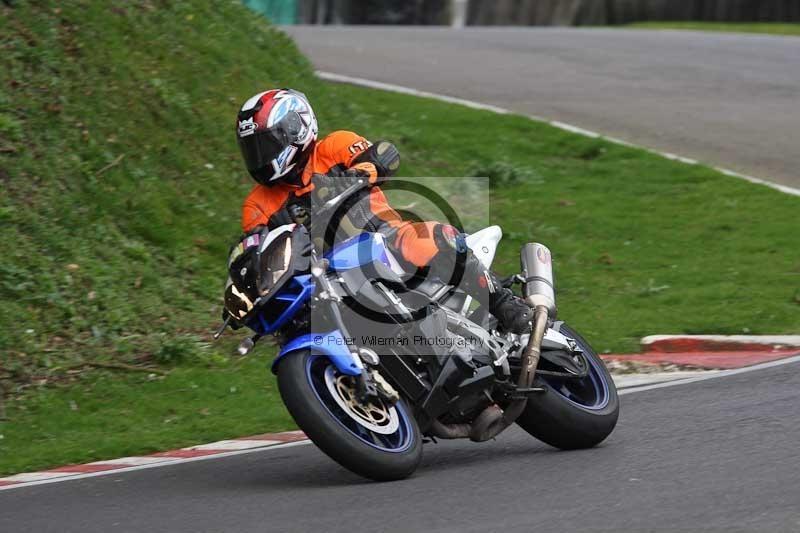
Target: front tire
[573, 414]
[377, 441]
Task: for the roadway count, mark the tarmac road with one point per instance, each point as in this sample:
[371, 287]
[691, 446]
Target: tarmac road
[729, 100]
[716, 455]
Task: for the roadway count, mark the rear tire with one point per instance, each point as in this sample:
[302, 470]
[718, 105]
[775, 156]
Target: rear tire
[370, 454]
[558, 421]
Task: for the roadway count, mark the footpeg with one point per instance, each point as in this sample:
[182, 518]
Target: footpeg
[246, 346]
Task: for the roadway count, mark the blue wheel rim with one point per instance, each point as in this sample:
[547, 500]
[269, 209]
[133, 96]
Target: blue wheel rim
[398, 441]
[590, 392]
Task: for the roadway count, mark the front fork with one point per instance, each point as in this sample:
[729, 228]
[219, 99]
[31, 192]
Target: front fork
[369, 383]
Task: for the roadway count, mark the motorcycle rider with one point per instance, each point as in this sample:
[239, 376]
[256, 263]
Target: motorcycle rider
[294, 171]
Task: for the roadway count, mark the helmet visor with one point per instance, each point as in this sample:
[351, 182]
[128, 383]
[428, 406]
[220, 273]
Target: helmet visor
[259, 149]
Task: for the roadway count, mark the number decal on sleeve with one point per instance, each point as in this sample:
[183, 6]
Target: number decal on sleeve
[359, 146]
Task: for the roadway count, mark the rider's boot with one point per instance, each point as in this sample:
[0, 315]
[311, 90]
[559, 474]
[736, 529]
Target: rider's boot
[510, 310]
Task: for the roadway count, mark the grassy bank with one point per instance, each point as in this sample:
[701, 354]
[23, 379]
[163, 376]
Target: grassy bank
[770, 28]
[112, 415]
[121, 184]
[121, 188]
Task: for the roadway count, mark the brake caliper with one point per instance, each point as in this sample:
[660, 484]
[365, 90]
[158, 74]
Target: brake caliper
[385, 390]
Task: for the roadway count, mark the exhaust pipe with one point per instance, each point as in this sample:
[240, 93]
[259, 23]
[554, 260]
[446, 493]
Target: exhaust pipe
[493, 420]
[450, 431]
[539, 291]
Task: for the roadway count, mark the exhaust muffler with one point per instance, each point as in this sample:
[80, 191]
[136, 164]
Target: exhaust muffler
[537, 267]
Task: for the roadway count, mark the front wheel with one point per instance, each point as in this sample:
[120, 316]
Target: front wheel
[573, 413]
[378, 441]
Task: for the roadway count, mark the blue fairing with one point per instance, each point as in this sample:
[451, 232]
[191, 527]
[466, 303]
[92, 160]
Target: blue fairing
[357, 251]
[291, 299]
[331, 345]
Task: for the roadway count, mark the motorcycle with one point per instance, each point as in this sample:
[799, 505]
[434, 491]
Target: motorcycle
[432, 366]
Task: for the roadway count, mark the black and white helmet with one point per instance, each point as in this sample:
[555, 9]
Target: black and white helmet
[276, 131]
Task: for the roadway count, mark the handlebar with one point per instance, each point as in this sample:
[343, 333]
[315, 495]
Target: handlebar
[329, 207]
[334, 202]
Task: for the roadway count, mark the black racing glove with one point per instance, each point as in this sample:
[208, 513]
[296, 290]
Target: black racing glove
[327, 186]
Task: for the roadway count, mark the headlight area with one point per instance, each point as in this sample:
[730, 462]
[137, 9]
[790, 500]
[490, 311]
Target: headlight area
[275, 262]
[266, 275]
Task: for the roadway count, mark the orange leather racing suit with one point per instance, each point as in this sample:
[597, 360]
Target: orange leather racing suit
[421, 244]
[417, 242]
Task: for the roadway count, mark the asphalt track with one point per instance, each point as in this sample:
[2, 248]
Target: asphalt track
[730, 100]
[717, 455]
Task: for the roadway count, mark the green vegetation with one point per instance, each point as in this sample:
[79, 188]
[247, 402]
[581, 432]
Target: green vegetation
[772, 28]
[107, 416]
[121, 185]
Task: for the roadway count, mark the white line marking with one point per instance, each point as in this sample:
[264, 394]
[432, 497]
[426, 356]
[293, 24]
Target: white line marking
[133, 461]
[30, 478]
[574, 129]
[68, 476]
[47, 477]
[617, 140]
[629, 381]
[675, 157]
[234, 445]
[715, 375]
[766, 340]
[372, 84]
[751, 179]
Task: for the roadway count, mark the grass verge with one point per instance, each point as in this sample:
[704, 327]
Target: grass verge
[770, 28]
[110, 415]
[122, 184]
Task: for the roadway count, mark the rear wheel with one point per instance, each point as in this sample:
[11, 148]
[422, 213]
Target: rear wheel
[375, 440]
[573, 413]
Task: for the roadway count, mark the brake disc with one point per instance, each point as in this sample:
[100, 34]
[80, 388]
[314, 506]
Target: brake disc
[375, 415]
